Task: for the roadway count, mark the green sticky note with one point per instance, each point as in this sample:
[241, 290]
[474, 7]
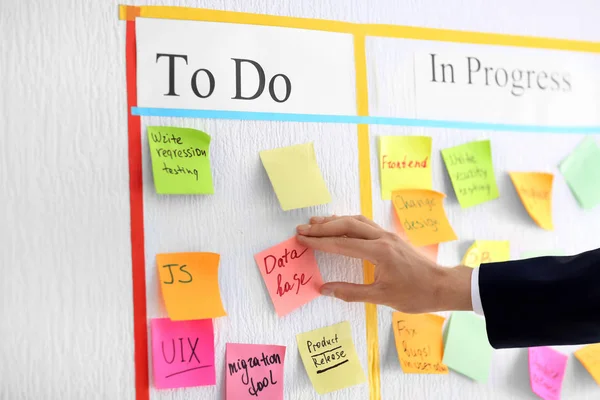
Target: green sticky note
[581, 170]
[471, 172]
[542, 253]
[180, 160]
[466, 346]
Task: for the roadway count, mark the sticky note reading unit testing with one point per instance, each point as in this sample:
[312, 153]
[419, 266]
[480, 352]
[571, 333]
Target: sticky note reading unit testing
[581, 170]
[180, 160]
[330, 359]
[546, 372]
[535, 191]
[485, 252]
[589, 356]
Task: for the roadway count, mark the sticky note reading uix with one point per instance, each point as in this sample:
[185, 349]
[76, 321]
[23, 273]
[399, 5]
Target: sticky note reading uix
[295, 176]
[581, 170]
[535, 191]
[546, 372]
[404, 163]
[180, 160]
[183, 353]
[589, 356]
[485, 252]
[419, 342]
[254, 371]
[471, 172]
[291, 275]
[190, 285]
[330, 359]
[421, 213]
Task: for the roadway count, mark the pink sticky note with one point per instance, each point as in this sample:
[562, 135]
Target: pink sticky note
[254, 371]
[546, 372]
[291, 275]
[183, 353]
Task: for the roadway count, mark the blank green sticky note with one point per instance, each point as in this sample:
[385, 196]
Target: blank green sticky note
[466, 346]
[295, 176]
[581, 170]
[471, 172]
[542, 253]
[180, 160]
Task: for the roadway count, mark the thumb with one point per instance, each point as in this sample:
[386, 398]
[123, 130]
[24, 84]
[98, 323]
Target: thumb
[350, 292]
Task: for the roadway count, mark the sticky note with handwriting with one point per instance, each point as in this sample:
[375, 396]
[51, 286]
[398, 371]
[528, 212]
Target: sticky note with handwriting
[330, 359]
[291, 275]
[421, 213]
[180, 160]
[190, 285]
[485, 252]
[546, 372]
[589, 356]
[183, 353]
[419, 342]
[430, 251]
[581, 170]
[535, 191]
[254, 371]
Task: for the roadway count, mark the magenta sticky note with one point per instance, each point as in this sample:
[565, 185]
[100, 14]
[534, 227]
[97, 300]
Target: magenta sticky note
[183, 353]
[546, 372]
[254, 371]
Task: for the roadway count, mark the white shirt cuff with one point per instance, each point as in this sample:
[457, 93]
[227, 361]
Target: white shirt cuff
[475, 296]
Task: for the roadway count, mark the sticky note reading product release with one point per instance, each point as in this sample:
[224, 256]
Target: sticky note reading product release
[404, 163]
[330, 359]
[254, 371]
[581, 170]
[295, 176]
[535, 191]
[589, 356]
[471, 172]
[546, 372]
[190, 285]
[485, 252]
[183, 353]
[180, 160]
[419, 343]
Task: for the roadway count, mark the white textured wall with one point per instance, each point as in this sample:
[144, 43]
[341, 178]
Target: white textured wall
[66, 311]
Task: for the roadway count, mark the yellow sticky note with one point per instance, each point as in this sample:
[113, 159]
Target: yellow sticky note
[330, 358]
[419, 343]
[486, 251]
[589, 356]
[535, 191]
[421, 213]
[295, 176]
[190, 285]
[404, 163]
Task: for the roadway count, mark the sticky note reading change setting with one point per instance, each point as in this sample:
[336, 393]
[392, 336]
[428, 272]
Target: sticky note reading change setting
[546, 372]
[535, 191]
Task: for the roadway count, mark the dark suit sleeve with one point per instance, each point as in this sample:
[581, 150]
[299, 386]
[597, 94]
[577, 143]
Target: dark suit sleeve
[542, 301]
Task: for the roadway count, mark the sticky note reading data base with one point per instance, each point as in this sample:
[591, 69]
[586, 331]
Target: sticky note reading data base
[581, 170]
[330, 358]
[535, 191]
[546, 372]
[589, 356]
[485, 252]
[183, 353]
[180, 160]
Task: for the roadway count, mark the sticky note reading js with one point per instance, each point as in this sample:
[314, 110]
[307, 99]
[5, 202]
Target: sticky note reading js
[471, 172]
[419, 342]
[254, 371]
[295, 176]
[404, 163]
[485, 252]
[291, 274]
[330, 359]
[546, 372]
[589, 356]
[535, 191]
[190, 285]
[421, 213]
[581, 170]
[183, 353]
[180, 160]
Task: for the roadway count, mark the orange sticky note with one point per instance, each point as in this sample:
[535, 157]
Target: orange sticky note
[535, 191]
[430, 251]
[190, 285]
[419, 343]
[421, 213]
[589, 356]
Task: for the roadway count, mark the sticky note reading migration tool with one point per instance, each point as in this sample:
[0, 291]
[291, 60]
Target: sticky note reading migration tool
[183, 353]
[471, 172]
[589, 356]
[430, 251]
[421, 213]
[295, 176]
[330, 358]
[254, 371]
[581, 170]
[404, 163]
[546, 372]
[190, 285]
[419, 342]
[466, 346]
[535, 191]
[180, 160]
[485, 252]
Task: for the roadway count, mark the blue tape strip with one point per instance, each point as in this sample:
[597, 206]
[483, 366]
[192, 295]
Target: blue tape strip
[351, 119]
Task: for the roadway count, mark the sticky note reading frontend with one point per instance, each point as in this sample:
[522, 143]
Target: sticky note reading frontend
[183, 353]
[485, 252]
[190, 285]
[546, 372]
[295, 176]
[581, 170]
[472, 173]
[421, 213]
[291, 275]
[535, 191]
[589, 356]
[180, 160]
[330, 359]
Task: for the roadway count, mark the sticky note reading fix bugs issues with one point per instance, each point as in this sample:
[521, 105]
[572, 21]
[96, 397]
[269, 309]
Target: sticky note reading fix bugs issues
[190, 285]
[546, 372]
[421, 213]
[535, 191]
[581, 170]
[589, 356]
[330, 359]
[485, 252]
